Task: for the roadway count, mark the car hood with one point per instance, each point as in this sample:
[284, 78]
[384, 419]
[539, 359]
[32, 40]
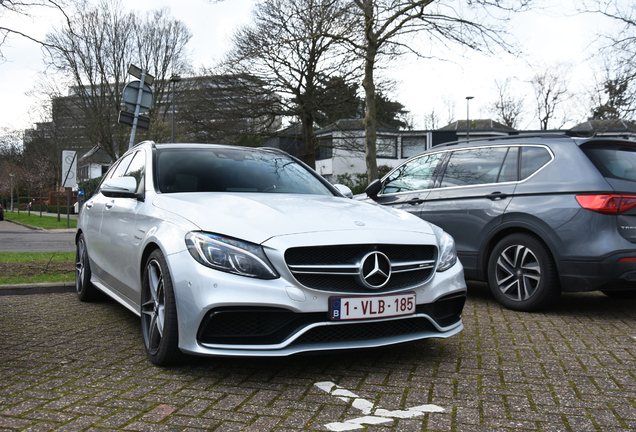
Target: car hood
[256, 217]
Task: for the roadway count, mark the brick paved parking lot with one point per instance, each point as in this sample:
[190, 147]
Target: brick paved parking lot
[70, 366]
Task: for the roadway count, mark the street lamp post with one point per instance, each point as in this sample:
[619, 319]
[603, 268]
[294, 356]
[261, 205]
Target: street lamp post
[174, 80]
[468, 98]
[11, 177]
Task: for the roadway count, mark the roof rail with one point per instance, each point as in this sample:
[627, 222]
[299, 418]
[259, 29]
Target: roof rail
[508, 137]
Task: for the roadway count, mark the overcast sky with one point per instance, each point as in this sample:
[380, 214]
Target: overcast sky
[548, 36]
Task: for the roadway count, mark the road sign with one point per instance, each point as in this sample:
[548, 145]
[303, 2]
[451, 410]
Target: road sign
[69, 168]
[127, 118]
[138, 72]
[131, 94]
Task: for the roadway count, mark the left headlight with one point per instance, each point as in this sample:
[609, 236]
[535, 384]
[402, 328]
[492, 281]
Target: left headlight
[447, 252]
[229, 255]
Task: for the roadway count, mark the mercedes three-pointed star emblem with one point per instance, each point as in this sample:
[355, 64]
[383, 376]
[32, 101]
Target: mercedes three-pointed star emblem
[375, 270]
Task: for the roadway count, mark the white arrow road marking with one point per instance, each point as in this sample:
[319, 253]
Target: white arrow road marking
[376, 416]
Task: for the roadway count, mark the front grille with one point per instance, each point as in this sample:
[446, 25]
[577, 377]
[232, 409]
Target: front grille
[337, 268]
[269, 326]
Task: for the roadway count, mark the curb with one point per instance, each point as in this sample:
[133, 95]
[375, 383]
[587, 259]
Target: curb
[24, 225]
[31, 227]
[37, 288]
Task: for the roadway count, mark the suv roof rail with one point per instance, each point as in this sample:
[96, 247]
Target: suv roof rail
[551, 135]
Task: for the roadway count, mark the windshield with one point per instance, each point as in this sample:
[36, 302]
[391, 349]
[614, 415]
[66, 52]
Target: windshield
[233, 170]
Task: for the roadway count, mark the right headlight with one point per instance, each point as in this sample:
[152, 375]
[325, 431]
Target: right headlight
[447, 252]
[229, 255]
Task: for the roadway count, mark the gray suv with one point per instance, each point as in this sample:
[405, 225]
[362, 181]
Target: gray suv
[532, 216]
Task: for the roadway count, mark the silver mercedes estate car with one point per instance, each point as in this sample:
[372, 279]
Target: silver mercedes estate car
[234, 251]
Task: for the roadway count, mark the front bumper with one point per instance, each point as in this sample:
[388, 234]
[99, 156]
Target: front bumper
[221, 314]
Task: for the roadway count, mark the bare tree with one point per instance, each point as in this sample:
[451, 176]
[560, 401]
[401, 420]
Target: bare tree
[288, 50]
[615, 93]
[386, 28]
[94, 55]
[431, 120]
[226, 109]
[508, 108]
[550, 91]
[12, 9]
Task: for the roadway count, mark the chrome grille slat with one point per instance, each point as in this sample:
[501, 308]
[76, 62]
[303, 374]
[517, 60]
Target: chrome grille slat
[337, 268]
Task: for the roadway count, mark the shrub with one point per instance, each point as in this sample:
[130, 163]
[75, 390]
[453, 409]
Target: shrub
[89, 187]
[357, 182]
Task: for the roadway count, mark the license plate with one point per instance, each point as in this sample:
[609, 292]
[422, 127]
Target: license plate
[357, 308]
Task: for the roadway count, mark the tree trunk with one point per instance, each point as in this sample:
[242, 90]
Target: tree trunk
[370, 118]
[308, 141]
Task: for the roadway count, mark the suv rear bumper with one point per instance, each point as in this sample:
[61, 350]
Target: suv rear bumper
[590, 275]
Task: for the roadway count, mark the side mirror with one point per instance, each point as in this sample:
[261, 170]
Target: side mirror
[344, 190]
[120, 187]
[374, 189]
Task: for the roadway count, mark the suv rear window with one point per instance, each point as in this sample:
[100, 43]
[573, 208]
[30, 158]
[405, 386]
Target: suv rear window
[532, 159]
[614, 160]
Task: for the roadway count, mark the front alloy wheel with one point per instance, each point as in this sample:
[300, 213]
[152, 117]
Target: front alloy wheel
[521, 273]
[158, 313]
[84, 289]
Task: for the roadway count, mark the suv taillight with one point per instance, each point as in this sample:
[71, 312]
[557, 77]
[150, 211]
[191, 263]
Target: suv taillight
[607, 203]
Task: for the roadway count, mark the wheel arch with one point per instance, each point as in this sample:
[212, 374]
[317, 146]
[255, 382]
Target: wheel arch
[148, 249]
[77, 235]
[539, 230]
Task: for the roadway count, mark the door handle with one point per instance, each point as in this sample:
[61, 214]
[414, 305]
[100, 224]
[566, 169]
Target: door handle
[495, 196]
[89, 204]
[110, 204]
[414, 201]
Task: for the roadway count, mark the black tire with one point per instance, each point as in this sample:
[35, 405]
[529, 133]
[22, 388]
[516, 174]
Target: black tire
[521, 273]
[84, 289]
[621, 295]
[159, 323]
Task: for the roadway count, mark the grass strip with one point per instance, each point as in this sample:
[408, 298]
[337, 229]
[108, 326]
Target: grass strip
[36, 267]
[34, 219]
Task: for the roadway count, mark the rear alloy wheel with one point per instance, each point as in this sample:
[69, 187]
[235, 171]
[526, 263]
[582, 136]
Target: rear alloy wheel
[85, 290]
[159, 313]
[522, 274]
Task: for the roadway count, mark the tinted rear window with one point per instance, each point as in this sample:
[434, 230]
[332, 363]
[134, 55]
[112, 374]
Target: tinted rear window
[474, 166]
[533, 159]
[614, 161]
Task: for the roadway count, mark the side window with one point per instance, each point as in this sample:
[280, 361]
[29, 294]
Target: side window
[137, 169]
[122, 166]
[532, 159]
[416, 174]
[109, 174]
[510, 167]
[117, 170]
[474, 166]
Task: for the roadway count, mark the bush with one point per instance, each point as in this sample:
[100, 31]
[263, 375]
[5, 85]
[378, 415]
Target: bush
[53, 209]
[357, 182]
[89, 187]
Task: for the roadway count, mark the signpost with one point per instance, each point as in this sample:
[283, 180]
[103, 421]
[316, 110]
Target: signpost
[137, 97]
[69, 178]
[131, 94]
[127, 118]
